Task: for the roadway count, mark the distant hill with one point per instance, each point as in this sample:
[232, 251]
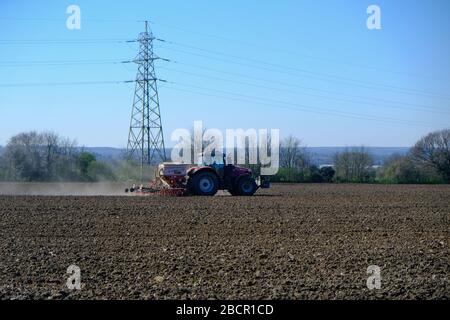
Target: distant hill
[324, 155]
[320, 155]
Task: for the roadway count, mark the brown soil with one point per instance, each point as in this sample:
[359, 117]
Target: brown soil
[289, 242]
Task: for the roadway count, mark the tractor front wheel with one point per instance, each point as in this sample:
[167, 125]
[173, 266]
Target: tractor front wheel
[205, 184]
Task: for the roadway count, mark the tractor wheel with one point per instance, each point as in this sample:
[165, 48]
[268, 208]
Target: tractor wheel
[246, 187]
[205, 184]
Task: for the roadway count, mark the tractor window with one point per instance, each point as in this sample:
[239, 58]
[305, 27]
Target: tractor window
[209, 160]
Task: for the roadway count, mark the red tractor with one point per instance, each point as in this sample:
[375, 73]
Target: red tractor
[203, 180]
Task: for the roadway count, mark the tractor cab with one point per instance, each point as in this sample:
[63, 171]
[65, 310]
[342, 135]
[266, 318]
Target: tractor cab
[216, 161]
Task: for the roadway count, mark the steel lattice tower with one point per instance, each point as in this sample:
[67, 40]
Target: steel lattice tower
[145, 138]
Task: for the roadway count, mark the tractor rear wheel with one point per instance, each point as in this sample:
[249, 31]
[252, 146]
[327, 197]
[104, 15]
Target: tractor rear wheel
[246, 186]
[205, 184]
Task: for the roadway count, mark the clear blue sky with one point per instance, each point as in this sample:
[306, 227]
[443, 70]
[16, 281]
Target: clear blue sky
[400, 75]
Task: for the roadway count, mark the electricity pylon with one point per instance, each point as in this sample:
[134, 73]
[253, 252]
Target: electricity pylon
[145, 138]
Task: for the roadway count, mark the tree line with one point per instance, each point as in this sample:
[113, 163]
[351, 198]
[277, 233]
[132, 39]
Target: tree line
[428, 161]
[46, 156]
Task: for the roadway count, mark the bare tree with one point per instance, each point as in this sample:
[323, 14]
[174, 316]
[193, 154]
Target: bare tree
[342, 165]
[33, 156]
[23, 155]
[50, 141]
[353, 165]
[294, 157]
[433, 151]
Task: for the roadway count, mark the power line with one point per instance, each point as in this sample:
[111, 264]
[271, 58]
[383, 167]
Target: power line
[30, 19]
[45, 63]
[309, 73]
[71, 83]
[308, 94]
[292, 70]
[63, 20]
[69, 62]
[55, 61]
[314, 74]
[294, 106]
[115, 61]
[61, 41]
[290, 73]
[241, 97]
[292, 85]
[296, 54]
[238, 41]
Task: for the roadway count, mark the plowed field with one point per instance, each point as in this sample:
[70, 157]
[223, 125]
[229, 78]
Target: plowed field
[288, 242]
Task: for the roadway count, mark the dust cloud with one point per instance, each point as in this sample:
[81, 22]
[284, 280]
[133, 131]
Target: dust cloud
[63, 189]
